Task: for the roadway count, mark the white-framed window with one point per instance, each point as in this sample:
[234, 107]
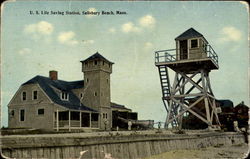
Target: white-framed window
[21, 115]
[81, 95]
[24, 96]
[12, 113]
[35, 95]
[40, 111]
[64, 96]
[194, 43]
[105, 115]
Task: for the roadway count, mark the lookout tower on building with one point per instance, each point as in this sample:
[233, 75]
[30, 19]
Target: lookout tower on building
[190, 92]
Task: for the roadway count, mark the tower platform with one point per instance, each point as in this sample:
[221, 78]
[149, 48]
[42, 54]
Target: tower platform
[167, 58]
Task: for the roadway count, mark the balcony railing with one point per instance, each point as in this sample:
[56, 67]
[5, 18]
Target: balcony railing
[170, 55]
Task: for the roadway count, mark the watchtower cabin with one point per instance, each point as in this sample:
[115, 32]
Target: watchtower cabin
[191, 60]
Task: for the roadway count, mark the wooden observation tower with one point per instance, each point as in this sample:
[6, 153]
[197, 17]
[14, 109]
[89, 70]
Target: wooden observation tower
[190, 91]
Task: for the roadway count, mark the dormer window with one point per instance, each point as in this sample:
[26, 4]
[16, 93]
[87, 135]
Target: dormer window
[194, 43]
[24, 96]
[64, 96]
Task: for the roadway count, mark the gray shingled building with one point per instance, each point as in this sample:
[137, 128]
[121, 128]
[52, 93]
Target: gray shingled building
[50, 103]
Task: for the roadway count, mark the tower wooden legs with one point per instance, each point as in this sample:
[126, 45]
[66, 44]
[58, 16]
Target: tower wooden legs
[191, 93]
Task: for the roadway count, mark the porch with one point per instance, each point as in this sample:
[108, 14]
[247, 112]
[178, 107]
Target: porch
[72, 119]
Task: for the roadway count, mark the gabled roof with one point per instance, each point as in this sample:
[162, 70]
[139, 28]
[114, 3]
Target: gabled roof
[190, 33]
[118, 106]
[47, 85]
[225, 103]
[97, 56]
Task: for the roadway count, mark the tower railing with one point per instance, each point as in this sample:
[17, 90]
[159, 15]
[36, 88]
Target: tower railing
[170, 55]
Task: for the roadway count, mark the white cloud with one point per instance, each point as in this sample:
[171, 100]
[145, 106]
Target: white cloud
[230, 34]
[147, 21]
[112, 30]
[91, 10]
[42, 27]
[67, 38]
[24, 51]
[130, 27]
[148, 45]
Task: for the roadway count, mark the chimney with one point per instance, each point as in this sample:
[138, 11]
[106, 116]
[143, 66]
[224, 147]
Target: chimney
[53, 75]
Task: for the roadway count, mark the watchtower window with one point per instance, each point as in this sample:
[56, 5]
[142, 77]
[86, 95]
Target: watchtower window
[24, 96]
[95, 93]
[103, 62]
[194, 43]
[95, 62]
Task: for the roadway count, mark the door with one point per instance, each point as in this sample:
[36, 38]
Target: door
[183, 50]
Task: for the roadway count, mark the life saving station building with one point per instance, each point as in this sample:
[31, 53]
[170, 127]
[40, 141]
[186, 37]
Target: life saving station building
[50, 103]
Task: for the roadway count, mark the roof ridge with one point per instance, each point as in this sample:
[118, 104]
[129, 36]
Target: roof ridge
[96, 56]
[190, 33]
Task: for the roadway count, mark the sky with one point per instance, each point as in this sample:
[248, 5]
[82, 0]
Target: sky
[34, 44]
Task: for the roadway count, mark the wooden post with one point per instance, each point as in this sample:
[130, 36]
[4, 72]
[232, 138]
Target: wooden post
[57, 120]
[90, 120]
[80, 119]
[69, 121]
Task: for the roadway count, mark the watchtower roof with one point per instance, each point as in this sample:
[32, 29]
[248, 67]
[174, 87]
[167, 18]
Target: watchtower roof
[190, 33]
[97, 55]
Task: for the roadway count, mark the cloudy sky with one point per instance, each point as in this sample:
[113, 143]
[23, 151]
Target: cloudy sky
[34, 44]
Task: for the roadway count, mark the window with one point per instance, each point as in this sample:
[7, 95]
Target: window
[40, 111]
[107, 80]
[12, 113]
[194, 43]
[64, 96]
[87, 80]
[103, 63]
[24, 96]
[95, 62]
[22, 114]
[81, 95]
[95, 93]
[34, 95]
[86, 63]
[105, 115]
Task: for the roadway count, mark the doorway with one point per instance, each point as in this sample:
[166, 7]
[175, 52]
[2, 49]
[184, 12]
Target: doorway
[183, 50]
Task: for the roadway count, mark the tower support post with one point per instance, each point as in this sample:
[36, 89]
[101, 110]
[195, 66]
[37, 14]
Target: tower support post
[190, 93]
